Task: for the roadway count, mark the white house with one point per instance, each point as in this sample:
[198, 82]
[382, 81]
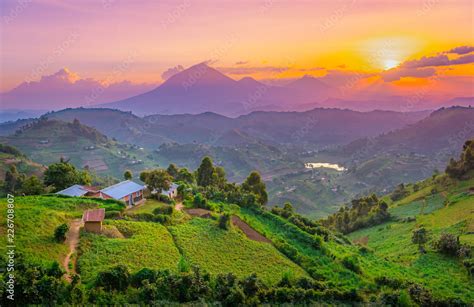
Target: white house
[172, 192]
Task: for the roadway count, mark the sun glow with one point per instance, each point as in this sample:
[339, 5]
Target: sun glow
[389, 64]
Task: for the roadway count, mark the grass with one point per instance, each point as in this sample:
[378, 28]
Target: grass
[36, 218]
[145, 245]
[147, 207]
[444, 275]
[221, 251]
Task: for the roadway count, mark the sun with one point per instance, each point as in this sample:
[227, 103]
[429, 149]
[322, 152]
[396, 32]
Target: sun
[389, 64]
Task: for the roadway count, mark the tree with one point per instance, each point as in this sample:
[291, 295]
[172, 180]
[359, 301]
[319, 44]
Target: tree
[63, 174]
[127, 175]
[255, 185]
[116, 278]
[32, 186]
[11, 179]
[420, 237]
[60, 232]
[157, 180]
[220, 178]
[185, 175]
[172, 170]
[465, 165]
[399, 192]
[206, 173]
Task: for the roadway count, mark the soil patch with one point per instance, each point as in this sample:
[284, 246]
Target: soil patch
[251, 233]
[199, 212]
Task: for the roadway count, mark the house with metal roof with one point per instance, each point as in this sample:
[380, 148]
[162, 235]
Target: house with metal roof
[79, 190]
[172, 192]
[128, 191]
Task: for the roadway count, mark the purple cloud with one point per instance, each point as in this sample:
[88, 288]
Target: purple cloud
[462, 50]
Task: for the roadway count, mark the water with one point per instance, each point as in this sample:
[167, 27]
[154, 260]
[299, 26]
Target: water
[325, 165]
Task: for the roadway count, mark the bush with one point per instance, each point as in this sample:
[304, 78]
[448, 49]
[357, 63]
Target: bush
[167, 210]
[351, 263]
[113, 214]
[60, 232]
[117, 278]
[224, 221]
[448, 244]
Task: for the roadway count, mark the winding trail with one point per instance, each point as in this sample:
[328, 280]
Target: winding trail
[179, 206]
[72, 239]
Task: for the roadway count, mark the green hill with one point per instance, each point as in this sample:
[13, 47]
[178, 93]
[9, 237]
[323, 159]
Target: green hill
[46, 141]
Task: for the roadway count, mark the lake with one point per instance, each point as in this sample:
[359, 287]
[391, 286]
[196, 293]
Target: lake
[325, 165]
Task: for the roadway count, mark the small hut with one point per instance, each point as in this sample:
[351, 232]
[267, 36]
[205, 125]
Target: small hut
[93, 220]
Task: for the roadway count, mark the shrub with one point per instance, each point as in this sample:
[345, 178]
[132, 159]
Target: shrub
[60, 232]
[448, 244]
[117, 278]
[224, 221]
[168, 210]
[351, 263]
[114, 214]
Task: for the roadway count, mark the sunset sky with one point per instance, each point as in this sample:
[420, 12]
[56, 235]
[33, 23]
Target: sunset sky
[266, 39]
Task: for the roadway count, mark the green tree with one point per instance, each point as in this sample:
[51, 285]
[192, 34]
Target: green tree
[206, 173]
[185, 175]
[127, 175]
[255, 185]
[32, 186]
[157, 180]
[11, 179]
[173, 170]
[420, 237]
[63, 174]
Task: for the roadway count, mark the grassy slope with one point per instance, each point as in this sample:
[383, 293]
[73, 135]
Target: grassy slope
[145, 245]
[221, 251]
[64, 142]
[392, 240]
[23, 165]
[36, 218]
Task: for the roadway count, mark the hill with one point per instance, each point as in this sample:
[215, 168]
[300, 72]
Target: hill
[46, 141]
[438, 205]
[317, 128]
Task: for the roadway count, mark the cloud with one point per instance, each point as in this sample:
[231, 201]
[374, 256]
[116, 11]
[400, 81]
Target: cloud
[443, 59]
[462, 50]
[67, 89]
[241, 62]
[426, 61]
[395, 74]
[171, 72]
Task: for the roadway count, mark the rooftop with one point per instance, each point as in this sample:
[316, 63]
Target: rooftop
[122, 189]
[94, 215]
[74, 190]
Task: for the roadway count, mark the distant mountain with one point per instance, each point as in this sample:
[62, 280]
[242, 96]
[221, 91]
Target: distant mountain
[443, 130]
[7, 115]
[316, 128]
[67, 89]
[201, 88]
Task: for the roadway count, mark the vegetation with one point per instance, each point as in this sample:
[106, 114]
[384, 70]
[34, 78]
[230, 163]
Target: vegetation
[63, 174]
[461, 168]
[219, 251]
[60, 232]
[364, 212]
[157, 180]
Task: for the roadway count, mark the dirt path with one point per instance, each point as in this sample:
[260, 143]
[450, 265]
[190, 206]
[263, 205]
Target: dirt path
[72, 240]
[179, 206]
[251, 233]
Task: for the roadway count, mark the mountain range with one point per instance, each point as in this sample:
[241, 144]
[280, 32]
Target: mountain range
[201, 88]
